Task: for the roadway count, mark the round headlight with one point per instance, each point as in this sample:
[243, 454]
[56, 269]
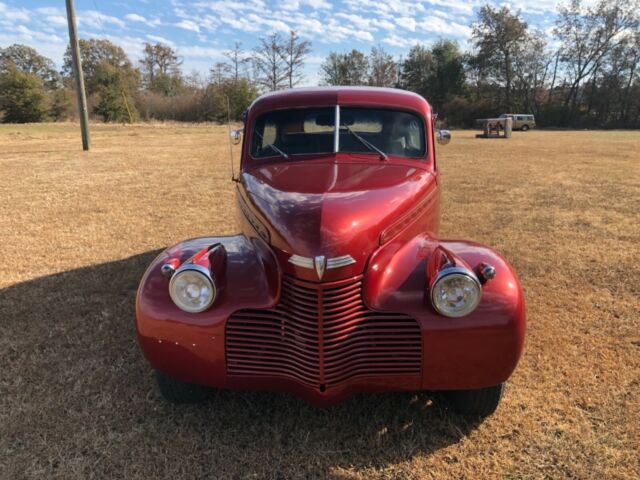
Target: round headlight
[456, 292]
[192, 289]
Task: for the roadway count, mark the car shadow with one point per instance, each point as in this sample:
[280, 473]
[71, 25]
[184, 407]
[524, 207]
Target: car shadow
[81, 398]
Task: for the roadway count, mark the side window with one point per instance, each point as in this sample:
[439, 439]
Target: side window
[520, 118]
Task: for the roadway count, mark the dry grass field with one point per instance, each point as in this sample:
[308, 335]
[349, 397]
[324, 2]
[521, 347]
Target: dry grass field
[77, 399]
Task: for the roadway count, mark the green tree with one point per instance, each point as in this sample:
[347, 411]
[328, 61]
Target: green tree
[115, 89]
[22, 96]
[94, 52]
[61, 104]
[169, 85]
[448, 77]
[498, 37]
[239, 95]
[436, 74]
[28, 60]
[417, 70]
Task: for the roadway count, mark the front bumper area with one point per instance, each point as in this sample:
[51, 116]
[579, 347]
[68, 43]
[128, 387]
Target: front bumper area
[321, 341]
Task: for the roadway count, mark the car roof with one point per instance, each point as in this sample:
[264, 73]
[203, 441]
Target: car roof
[329, 96]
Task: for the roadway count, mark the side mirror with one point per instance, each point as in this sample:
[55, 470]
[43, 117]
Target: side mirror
[236, 136]
[443, 137]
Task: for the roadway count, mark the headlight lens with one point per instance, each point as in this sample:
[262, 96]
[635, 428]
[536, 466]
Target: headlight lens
[455, 293]
[192, 289]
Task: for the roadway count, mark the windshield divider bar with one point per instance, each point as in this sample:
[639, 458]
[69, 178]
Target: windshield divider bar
[336, 137]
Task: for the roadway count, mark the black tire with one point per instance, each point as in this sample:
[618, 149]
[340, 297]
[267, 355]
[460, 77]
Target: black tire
[179, 392]
[525, 128]
[476, 403]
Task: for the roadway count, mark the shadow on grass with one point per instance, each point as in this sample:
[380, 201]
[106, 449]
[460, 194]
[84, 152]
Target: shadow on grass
[80, 400]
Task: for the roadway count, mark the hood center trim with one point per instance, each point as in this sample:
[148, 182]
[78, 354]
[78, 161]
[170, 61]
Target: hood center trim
[320, 263]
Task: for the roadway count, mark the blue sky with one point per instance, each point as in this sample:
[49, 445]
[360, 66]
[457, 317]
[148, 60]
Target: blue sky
[202, 30]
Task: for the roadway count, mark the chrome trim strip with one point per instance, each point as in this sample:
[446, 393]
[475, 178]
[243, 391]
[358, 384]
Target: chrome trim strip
[301, 261]
[338, 262]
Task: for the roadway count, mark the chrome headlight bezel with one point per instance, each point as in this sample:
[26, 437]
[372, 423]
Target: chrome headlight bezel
[205, 274]
[445, 274]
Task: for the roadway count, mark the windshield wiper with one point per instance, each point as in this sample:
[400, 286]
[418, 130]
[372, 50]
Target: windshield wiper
[273, 147]
[276, 149]
[366, 143]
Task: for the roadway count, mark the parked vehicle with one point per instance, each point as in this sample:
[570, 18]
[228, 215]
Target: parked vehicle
[337, 282]
[520, 121]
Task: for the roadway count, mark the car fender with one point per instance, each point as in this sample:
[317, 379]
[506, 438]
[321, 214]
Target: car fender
[475, 351]
[250, 279]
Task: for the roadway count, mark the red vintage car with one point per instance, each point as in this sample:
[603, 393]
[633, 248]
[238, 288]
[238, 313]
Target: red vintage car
[337, 282]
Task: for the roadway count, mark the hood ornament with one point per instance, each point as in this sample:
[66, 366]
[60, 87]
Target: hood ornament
[321, 263]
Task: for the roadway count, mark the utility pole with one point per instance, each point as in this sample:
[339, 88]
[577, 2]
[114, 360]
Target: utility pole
[77, 71]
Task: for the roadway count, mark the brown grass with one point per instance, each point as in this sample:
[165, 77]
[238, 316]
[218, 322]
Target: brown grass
[78, 400]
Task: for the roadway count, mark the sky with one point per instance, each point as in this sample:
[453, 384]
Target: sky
[202, 30]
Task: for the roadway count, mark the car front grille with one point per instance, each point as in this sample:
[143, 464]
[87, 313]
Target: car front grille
[322, 335]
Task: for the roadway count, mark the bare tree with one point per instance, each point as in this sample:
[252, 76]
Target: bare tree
[383, 69]
[294, 54]
[530, 70]
[332, 69]
[268, 61]
[356, 67]
[588, 35]
[238, 59]
[345, 68]
[159, 59]
[220, 72]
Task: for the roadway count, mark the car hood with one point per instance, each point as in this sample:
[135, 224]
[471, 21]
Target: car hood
[332, 209]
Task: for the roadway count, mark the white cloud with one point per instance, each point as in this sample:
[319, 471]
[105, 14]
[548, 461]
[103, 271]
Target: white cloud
[12, 15]
[134, 17]
[442, 27]
[357, 20]
[97, 19]
[56, 20]
[401, 42]
[407, 22]
[50, 11]
[159, 39]
[318, 4]
[188, 25]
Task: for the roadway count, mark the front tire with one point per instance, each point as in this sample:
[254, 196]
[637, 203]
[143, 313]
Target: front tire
[478, 403]
[525, 128]
[179, 392]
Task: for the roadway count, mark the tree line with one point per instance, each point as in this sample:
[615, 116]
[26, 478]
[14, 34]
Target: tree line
[31, 90]
[582, 73]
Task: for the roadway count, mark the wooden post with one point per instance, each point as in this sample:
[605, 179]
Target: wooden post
[77, 71]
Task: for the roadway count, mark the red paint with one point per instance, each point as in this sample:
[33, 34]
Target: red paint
[386, 216]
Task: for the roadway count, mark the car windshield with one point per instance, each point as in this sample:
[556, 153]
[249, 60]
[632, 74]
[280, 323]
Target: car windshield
[294, 132]
[390, 131]
[311, 131]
